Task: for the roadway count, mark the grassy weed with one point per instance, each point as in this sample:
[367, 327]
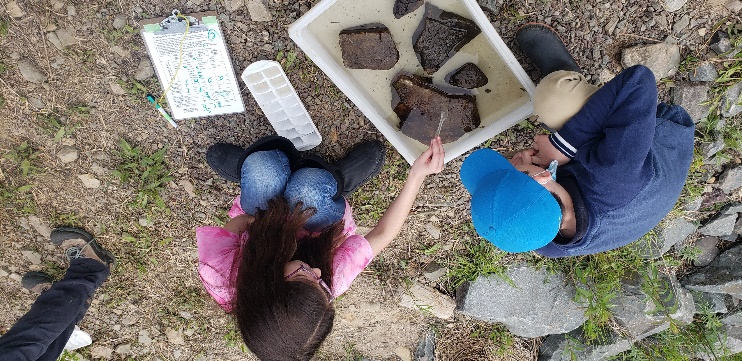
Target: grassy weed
[143, 243]
[114, 35]
[683, 343]
[287, 59]
[233, 338]
[26, 159]
[480, 258]
[374, 197]
[351, 354]
[4, 25]
[146, 173]
[497, 335]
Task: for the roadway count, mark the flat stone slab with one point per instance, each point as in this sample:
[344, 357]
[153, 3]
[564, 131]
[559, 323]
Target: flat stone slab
[443, 34]
[421, 106]
[468, 76]
[368, 47]
[536, 303]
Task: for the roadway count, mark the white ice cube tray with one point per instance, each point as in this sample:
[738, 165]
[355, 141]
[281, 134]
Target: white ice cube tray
[280, 103]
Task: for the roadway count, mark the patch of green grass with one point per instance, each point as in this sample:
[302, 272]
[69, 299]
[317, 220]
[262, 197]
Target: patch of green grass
[142, 244]
[479, 259]
[70, 356]
[683, 343]
[146, 173]
[498, 335]
[25, 157]
[374, 197]
[599, 279]
[287, 59]
[351, 353]
[53, 125]
[54, 270]
[68, 219]
[19, 199]
[233, 338]
[114, 35]
[4, 25]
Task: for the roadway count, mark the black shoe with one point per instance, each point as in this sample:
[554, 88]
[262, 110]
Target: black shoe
[360, 164]
[542, 45]
[86, 240]
[36, 281]
[224, 159]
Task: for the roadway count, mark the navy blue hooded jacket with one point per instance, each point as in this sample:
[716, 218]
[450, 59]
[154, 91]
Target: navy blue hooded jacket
[629, 161]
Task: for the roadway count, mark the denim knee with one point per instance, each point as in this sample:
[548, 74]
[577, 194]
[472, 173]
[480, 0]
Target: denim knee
[314, 188]
[264, 177]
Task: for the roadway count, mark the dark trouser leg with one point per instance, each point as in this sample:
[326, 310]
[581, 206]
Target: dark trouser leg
[42, 332]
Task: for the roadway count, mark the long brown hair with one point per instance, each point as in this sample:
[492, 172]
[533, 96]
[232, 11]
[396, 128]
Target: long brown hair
[280, 319]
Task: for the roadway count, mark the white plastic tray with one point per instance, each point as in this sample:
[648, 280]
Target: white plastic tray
[317, 33]
[274, 93]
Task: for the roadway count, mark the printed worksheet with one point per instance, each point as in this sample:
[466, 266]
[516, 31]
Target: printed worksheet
[204, 83]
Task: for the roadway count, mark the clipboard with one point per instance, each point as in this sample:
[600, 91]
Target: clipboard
[198, 64]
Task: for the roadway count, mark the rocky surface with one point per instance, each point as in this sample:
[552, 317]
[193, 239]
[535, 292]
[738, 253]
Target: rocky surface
[467, 76]
[550, 297]
[723, 275]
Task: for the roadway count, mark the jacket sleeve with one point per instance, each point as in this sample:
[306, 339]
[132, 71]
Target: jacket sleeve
[612, 134]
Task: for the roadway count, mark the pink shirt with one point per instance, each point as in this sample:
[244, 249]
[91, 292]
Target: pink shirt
[219, 251]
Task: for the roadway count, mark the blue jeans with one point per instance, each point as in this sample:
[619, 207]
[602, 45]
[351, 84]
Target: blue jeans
[267, 175]
[42, 333]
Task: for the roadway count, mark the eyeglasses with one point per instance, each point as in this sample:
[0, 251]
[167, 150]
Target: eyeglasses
[307, 269]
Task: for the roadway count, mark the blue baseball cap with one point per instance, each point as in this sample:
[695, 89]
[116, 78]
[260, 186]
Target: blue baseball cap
[508, 208]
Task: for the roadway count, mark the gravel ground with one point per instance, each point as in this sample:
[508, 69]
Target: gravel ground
[153, 305]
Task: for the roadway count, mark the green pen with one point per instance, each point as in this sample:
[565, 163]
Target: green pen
[161, 110]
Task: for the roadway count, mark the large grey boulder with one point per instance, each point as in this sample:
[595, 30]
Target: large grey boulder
[536, 304]
[692, 98]
[723, 275]
[668, 234]
[640, 316]
[572, 346]
[662, 58]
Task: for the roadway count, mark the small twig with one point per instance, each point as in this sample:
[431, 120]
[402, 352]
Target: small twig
[641, 37]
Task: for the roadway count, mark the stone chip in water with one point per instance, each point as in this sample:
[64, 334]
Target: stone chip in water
[468, 76]
[368, 47]
[404, 7]
[440, 36]
[419, 105]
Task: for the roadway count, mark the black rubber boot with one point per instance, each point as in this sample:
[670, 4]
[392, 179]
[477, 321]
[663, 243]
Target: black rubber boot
[545, 49]
[226, 159]
[360, 164]
[36, 281]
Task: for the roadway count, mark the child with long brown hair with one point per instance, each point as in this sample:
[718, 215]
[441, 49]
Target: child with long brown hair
[291, 247]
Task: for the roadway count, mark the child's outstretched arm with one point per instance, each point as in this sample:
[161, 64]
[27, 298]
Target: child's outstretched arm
[430, 162]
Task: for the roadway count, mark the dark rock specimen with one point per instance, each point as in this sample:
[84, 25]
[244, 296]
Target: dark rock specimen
[440, 36]
[368, 47]
[468, 76]
[419, 105]
[404, 7]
